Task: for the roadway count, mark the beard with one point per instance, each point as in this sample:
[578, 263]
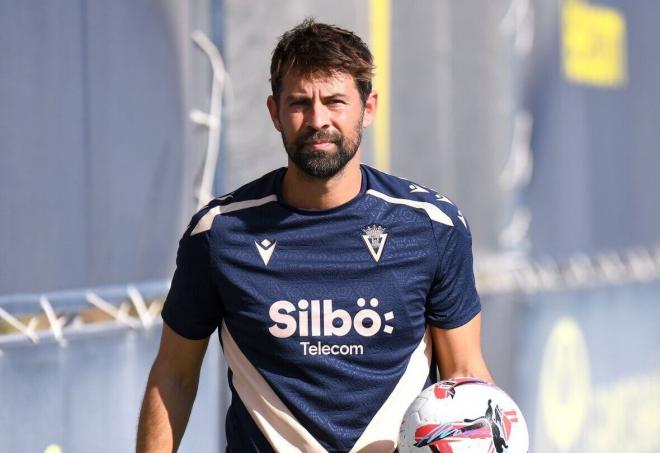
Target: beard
[320, 163]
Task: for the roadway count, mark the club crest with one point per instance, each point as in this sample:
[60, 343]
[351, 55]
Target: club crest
[374, 237]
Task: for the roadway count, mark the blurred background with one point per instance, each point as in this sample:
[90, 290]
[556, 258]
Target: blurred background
[540, 118]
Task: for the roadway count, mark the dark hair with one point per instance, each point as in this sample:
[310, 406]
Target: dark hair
[314, 48]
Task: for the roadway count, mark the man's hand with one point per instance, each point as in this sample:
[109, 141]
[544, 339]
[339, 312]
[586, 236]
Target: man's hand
[170, 393]
[458, 351]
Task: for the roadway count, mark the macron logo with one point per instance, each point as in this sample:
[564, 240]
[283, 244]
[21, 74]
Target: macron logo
[265, 249]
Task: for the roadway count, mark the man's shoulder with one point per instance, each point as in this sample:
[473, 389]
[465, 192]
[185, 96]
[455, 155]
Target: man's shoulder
[412, 195]
[258, 188]
[258, 192]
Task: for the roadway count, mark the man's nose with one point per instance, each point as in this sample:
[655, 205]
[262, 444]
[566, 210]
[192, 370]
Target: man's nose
[318, 116]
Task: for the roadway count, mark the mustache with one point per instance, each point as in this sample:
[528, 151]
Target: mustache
[313, 135]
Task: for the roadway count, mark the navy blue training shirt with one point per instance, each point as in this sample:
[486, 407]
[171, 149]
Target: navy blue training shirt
[323, 315]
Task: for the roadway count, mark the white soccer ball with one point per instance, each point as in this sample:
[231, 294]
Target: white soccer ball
[463, 415]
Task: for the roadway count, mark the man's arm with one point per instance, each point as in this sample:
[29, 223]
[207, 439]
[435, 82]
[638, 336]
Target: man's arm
[170, 392]
[458, 351]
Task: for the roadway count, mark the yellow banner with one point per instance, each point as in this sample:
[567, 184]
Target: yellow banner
[593, 44]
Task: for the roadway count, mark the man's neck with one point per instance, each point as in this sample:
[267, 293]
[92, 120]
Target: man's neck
[307, 192]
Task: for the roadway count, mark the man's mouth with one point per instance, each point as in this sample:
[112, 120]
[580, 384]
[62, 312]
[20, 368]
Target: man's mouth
[319, 144]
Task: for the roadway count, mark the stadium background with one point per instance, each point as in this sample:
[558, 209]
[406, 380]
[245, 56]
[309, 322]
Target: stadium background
[539, 117]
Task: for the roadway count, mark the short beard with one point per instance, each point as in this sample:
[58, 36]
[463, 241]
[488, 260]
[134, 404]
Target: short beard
[322, 164]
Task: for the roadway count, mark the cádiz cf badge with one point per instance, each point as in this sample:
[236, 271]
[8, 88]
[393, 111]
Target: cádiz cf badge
[374, 236]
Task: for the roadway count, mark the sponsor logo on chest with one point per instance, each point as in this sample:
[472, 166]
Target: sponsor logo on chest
[317, 319]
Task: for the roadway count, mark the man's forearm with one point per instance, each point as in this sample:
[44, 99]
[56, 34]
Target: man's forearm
[458, 351]
[476, 369]
[165, 412]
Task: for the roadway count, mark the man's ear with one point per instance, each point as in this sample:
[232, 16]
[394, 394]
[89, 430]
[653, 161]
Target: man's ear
[370, 107]
[271, 103]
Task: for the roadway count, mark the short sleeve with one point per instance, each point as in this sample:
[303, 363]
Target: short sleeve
[193, 307]
[453, 299]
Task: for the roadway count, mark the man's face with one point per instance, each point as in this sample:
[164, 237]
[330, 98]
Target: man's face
[321, 120]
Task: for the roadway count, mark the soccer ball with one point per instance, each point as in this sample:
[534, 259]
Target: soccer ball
[463, 415]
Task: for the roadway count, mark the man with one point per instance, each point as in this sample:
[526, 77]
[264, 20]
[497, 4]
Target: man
[328, 280]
